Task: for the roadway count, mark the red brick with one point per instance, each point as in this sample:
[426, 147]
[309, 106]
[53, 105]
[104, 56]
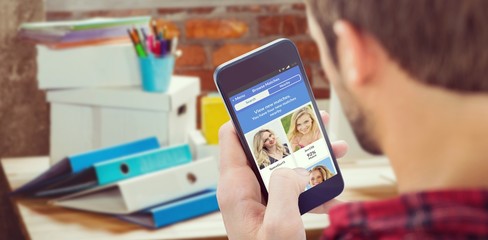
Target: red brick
[254, 9]
[321, 93]
[272, 8]
[309, 73]
[287, 25]
[205, 75]
[308, 50]
[229, 51]
[294, 25]
[215, 28]
[54, 16]
[201, 10]
[250, 8]
[270, 25]
[166, 11]
[299, 6]
[193, 55]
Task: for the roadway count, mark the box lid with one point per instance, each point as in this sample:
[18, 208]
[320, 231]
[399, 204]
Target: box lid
[181, 89]
[89, 66]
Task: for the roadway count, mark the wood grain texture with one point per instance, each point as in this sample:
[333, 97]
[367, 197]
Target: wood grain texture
[364, 181]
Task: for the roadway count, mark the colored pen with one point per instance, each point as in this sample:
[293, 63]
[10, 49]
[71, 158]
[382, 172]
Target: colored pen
[137, 44]
[154, 28]
[157, 47]
[139, 39]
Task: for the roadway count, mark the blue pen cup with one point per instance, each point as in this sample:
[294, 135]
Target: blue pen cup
[156, 72]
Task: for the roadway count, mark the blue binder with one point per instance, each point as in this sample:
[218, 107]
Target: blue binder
[175, 211]
[74, 164]
[141, 163]
[121, 168]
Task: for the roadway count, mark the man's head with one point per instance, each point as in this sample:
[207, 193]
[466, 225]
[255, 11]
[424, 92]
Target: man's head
[437, 43]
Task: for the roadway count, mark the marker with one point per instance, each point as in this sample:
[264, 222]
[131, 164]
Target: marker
[137, 45]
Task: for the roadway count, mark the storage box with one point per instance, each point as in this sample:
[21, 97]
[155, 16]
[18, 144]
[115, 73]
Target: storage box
[90, 66]
[86, 119]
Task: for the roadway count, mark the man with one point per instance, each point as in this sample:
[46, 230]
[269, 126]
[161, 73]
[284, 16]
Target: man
[412, 76]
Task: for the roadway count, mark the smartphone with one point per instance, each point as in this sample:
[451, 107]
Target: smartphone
[270, 101]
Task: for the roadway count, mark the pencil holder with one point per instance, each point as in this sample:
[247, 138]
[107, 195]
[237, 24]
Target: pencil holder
[156, 72]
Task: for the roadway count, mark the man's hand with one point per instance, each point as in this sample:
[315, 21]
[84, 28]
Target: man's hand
[239, 196]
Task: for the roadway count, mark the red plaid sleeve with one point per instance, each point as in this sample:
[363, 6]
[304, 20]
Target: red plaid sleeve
[453, 214]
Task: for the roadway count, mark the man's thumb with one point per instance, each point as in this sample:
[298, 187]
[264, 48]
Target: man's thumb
[284, 188]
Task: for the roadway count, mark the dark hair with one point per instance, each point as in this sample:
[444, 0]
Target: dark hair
[439, 42]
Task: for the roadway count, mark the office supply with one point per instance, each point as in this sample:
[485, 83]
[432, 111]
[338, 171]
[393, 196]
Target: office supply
[106, 116]
[45, 222]
[214, 115]
[144, 191]
[69, 166]
[156, 72]
[112, 170]
[140, 51]
[156, 54]
[176, 211]
[142, 163]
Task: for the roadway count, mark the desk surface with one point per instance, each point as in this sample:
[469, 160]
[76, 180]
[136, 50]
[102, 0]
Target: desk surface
[365, 180]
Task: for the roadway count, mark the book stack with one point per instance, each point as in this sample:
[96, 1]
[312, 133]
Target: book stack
[138, 181]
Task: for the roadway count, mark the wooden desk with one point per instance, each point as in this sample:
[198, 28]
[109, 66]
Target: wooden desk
[365, 180]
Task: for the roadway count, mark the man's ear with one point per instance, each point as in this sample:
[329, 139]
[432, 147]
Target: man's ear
[355, 54]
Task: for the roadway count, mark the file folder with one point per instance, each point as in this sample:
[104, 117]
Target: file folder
[175, 211]
[75, 164]
[117, 169]
[134, 194]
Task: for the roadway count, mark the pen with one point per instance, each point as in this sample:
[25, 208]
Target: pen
[164, 47]
[140, 39]
[137, 45]
[154, 28]
[144, 35]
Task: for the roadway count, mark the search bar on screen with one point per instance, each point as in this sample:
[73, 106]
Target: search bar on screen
[268, 92]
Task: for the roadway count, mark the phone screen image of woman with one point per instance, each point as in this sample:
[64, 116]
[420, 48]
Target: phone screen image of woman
[281, 127]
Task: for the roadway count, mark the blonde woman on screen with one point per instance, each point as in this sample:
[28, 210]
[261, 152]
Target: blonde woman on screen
[304, 128]
[318, 174]
[268, 149]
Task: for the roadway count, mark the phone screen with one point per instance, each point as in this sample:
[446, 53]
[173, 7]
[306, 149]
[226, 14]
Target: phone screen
[281, 127]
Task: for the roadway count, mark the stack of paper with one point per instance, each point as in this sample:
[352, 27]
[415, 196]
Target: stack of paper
[93, 31]
[137, 181]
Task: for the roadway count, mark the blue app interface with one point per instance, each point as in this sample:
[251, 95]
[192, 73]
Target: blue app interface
[281, 127]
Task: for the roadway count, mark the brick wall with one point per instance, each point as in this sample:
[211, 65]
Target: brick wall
[210, 36]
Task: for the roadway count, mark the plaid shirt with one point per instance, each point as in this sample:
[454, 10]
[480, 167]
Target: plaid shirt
[447, 214]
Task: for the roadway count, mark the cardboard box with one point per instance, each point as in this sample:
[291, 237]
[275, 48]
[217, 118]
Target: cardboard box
[90, 66]
[90, 118]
